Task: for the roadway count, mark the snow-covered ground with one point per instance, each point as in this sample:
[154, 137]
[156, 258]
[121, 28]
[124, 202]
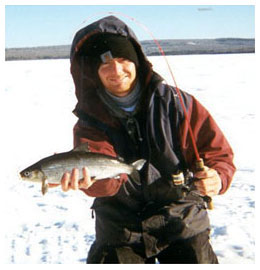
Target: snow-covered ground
[36, 121]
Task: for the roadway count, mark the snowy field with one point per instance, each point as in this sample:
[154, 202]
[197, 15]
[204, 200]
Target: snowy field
[36, 121]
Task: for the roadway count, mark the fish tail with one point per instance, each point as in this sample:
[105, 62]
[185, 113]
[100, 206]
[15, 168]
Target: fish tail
[135, 176]
[137, 166]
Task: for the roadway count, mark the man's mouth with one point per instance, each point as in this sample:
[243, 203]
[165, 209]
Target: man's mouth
[118, 79]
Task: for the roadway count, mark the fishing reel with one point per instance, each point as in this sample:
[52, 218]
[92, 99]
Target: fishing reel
[185, 181]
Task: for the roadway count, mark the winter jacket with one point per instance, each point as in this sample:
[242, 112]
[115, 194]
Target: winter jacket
[155, 212]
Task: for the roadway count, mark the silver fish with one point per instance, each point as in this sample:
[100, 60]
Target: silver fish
[51, 169]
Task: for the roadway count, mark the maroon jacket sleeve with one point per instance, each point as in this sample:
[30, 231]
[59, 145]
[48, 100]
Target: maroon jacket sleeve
[212, 145]
[98, 142]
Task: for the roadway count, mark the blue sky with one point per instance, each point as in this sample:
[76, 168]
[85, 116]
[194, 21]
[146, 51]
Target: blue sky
[29, 26]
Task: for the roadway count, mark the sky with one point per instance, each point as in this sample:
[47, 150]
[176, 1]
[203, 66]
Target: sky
[47, 25]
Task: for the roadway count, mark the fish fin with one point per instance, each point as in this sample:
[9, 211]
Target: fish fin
[45, 186]
[130, 183]
[135, 176]
[125, 189]
[82, 148]
[138, 165]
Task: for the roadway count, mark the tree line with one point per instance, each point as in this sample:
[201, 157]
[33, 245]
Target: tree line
[170, 47]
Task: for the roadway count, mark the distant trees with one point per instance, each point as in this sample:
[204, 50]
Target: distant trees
[170, 47]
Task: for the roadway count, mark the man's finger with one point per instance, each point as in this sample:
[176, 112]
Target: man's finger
[208, 173]
[86, 182]
[65, 180]
[74, 180]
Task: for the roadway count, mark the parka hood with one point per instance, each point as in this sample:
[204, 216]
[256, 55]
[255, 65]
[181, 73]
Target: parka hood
[86, 82]
[109, 24]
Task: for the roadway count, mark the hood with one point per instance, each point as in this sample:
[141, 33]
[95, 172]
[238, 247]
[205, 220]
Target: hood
[87, 83]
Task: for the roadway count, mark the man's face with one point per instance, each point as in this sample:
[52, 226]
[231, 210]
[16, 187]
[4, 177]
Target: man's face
[118, 76]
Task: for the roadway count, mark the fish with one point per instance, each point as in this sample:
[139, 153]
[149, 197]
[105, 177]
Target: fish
[51, 169]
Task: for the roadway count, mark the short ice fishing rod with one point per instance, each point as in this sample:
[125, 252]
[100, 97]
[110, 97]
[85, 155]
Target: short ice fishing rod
[199, 161]
[199, 164]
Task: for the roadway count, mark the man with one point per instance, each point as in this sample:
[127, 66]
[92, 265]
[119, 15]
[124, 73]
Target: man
[125, 109]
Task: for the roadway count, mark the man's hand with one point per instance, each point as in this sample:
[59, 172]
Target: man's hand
[208, 182]
[72, 181]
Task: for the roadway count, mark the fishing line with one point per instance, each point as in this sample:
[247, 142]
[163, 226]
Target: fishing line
[146, 29]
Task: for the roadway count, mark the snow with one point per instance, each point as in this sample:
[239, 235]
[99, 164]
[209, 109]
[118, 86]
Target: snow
[36, 121]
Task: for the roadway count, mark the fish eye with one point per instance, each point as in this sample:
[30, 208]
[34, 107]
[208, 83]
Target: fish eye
[27, 174]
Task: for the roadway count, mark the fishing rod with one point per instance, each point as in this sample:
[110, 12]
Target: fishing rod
[199, 161]
[196, 152]
[199, 164]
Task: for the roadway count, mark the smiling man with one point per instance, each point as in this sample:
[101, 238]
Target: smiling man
[125, 109]
[118, 74]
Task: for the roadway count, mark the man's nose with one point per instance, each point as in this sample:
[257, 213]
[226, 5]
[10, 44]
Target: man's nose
[116, 67]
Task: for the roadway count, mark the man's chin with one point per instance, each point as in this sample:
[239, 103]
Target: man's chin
[120, 92]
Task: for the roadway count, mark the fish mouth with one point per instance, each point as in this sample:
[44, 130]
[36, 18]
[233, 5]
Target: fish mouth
[21, 176]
